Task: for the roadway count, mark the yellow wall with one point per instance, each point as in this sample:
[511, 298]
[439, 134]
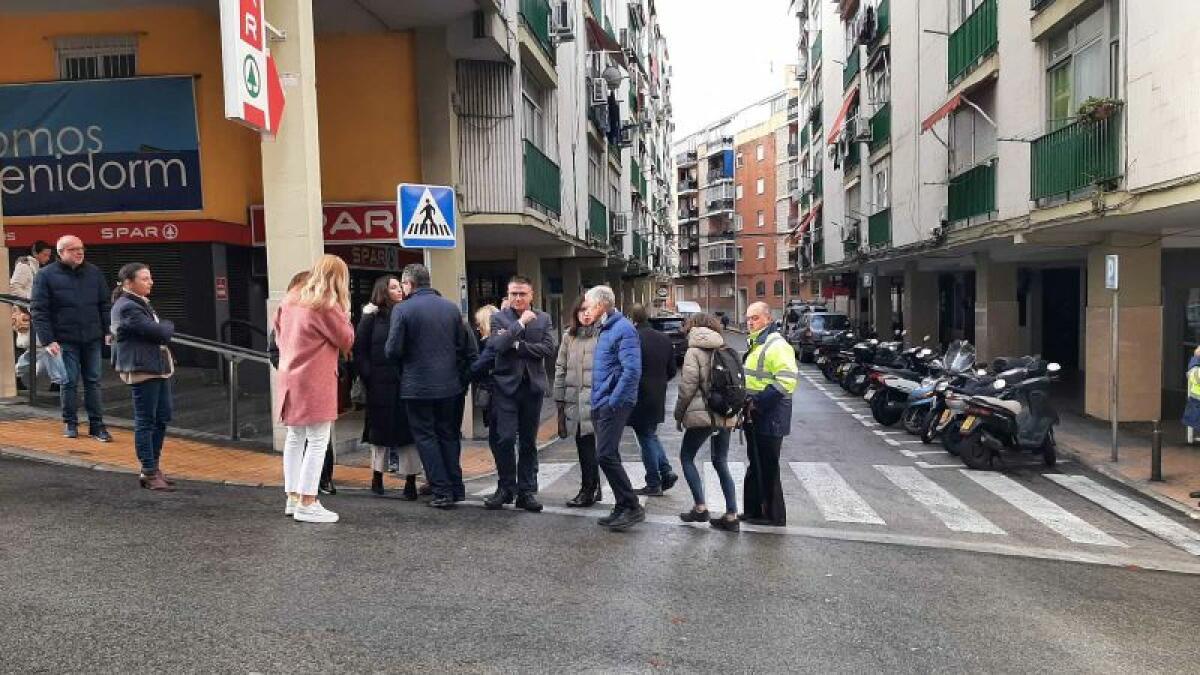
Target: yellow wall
[366, 102]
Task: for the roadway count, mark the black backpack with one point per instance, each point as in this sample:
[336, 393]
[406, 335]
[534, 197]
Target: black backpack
[726, 393]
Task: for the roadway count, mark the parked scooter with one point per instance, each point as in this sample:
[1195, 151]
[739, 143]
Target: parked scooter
[1018, 417]
[892, 388]
[926, 404]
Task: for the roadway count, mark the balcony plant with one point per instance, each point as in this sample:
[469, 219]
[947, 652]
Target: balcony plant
[1096, 109]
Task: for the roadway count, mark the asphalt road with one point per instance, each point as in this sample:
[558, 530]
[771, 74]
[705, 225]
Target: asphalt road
[97, 575]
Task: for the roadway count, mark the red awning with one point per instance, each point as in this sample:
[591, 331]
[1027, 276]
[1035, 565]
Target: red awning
[808, 220]
[841, 116]
[941, 112]
[600, 41]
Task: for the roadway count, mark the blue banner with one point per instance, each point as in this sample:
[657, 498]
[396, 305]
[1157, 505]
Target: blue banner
[99, 146]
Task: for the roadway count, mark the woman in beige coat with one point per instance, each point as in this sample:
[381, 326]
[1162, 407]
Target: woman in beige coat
[573, 393]
[700, 424]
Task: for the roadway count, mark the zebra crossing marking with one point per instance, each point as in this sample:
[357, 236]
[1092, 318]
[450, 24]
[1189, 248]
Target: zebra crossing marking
[834, 497]
[1041, 509]
[713, 494]
[1133, 511]
[548, 472]
[953, 513]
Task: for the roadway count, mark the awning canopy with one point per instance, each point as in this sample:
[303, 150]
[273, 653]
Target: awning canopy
[796, 234]
[949, 107]
[836, 129]
[600, 41]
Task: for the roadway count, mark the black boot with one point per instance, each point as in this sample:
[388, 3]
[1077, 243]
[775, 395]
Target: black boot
[377, 482]
[599, 496]
[587, 496]
[410, 488]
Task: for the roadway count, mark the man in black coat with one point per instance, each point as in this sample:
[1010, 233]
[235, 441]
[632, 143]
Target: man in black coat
[521, 339]
[658, 367]
[70, 311]
[430, 342]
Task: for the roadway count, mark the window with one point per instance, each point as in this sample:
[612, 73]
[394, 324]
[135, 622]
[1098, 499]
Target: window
[793, 287]
[739, 192]
[737, 222]
[762, 218]
[972, 138]
[741, 161]
[961, 10]
[536, 102]
[760, 288]
[761, 187]
[760, 152]
[679, 294]
[1077, 66]
[778, 288]
[878, 88]
[880, 194]
[762, 251]
[739, 253]
[96, 57]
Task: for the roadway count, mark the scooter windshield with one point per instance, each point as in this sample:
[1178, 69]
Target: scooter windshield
[960, 357]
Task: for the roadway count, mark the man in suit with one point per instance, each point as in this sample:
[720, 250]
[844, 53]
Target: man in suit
[521, 339]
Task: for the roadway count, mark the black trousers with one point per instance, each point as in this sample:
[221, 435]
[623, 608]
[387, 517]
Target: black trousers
[435, 425]
[763, 489]
[516, 419]
[610, 424]
[585, 446]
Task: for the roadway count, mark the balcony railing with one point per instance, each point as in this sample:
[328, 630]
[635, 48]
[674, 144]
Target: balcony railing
[1039, 5]
[718, 175]
[881, 127]
[879, 229]
[972, 193]
[883, 21]
[974, 39]
[685, 158]
[543, 180]
[818, 185]
[597, 220]
[536, 15]
[688, 185]
[720, 265]
[793, 149]
[814, 54]
[1076, 156]
[723, 235]
[851, 68]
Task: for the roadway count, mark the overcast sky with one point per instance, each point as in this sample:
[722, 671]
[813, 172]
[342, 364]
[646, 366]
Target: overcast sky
[726, 54]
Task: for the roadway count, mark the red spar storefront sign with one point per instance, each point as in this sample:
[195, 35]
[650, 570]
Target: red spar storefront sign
[145, 232]
[357, 223]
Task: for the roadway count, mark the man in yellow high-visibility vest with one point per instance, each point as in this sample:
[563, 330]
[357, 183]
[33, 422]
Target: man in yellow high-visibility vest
[771, 372]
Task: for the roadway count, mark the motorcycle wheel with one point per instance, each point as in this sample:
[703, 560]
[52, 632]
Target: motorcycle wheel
[1049, 450]
[951, 439]
[857, 388]
[827, 371]
[913, 419]
[930, 430]
[974, 453]
[879, 409]
[806, 357]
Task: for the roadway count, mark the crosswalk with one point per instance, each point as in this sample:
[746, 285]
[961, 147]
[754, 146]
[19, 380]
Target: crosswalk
[883, 496]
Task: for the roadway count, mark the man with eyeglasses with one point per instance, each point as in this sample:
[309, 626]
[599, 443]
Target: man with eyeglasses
[771, 373]
[70, 308]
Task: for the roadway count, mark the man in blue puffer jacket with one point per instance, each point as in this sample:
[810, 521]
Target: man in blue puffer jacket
[615, 376]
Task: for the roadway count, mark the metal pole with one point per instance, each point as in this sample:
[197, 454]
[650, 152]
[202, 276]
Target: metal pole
[1156, 452]
[1114, 370]
[233, 396]
[32, 379]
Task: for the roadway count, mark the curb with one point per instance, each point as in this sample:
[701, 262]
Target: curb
[1140, 486]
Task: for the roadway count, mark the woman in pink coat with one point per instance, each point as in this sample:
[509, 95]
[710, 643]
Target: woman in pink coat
[312, 328]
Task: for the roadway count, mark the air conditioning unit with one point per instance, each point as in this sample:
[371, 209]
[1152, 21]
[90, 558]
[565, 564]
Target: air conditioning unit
[862, 131]
[851, 235]
[620, 224]
[598, 89]
[627, 45]
[626, 136]
[562, 25]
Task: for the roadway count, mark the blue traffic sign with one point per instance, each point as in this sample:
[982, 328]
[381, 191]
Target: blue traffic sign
[427, 216]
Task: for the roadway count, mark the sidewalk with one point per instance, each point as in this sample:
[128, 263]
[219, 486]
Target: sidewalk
[36, 433]
[1089, 442]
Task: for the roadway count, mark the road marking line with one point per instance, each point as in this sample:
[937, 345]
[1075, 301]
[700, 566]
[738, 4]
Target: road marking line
[931, 452]
[861, 417]
[834, 497]
[714, 495]
[949, 509]
[881, 432]
[1041, 509]
[908, 442]
[927, 465]
[1131, 510]
[548, 472]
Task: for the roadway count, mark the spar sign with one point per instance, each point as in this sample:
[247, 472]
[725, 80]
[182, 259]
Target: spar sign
[253, 91]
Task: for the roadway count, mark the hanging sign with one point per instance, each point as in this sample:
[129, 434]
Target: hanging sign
[253, 90]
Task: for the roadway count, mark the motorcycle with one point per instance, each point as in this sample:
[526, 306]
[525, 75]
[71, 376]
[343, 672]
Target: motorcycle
[892, 388]
[1019, 416]
[928, 403]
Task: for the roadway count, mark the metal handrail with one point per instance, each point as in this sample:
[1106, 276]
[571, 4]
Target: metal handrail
[227, 336]
[232, 355]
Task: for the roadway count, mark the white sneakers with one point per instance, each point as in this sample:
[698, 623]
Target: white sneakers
[314, 513]
[292, 503]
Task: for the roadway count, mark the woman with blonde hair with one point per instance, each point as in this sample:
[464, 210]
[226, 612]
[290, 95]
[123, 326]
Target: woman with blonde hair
[312, 328]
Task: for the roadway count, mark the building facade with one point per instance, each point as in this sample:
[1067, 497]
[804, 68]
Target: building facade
[980, 160]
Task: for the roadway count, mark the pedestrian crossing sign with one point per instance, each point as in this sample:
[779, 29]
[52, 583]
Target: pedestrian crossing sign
[427, 216]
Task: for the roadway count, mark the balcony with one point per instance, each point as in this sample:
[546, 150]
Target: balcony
[793, 187]
[716, 147]
[686, 158]
[883, 21]
[806, 201]
[688, 185]
[972, 193]
[972, 41]
[818, 185]
[879, 229]
[793, 109]
[686, 215]
[543, 182]
[637, 179]
[597, 220]
[851, 69]
[535, 14]
[814, 53]
[717, 266]
[881, 127]
[717, 176]
[1039, 5]
[793, 149]
[1076, 156]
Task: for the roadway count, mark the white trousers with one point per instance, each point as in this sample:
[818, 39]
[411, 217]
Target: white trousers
[304, 456]
[410, 461]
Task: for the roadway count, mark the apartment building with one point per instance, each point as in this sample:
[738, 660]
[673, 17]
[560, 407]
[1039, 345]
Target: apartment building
[978, 161]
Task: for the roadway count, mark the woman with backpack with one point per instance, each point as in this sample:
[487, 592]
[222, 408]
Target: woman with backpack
[695, 416]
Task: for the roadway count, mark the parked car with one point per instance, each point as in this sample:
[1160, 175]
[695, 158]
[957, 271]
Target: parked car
[672, 326]
[811, 327]
[686, 308]
[795, 309]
